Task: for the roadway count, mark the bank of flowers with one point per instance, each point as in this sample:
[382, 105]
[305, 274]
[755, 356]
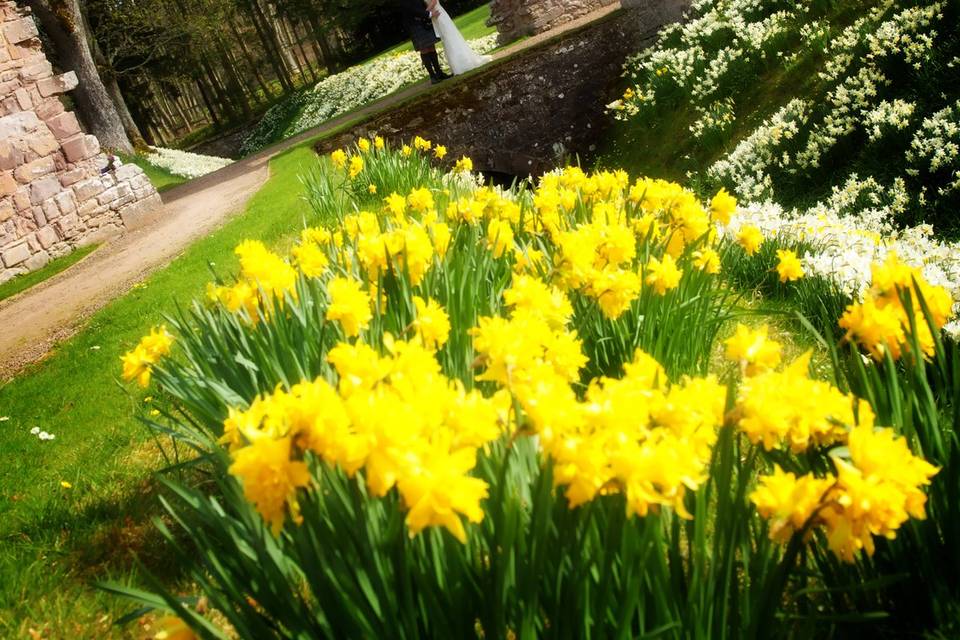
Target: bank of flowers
[452, 410]
[845, 89]
[185, 164]
[343, 92]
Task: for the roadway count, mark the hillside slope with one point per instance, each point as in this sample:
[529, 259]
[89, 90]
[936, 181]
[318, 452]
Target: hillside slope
[852, 102]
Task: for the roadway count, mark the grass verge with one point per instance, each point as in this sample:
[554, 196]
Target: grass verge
[160, 177]
[11, 288]
[55, 540]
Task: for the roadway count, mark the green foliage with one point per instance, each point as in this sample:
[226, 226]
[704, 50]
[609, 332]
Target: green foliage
[534, 566]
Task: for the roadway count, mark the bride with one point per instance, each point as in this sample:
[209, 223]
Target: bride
[460, 56]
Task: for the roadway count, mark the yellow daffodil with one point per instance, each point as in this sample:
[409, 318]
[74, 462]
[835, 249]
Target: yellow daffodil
[788, 265]
[750, 238]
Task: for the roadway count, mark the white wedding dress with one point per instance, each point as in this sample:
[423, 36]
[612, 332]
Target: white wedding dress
[460, 56]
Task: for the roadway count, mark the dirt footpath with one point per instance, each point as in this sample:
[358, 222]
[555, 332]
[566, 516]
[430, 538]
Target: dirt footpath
[32, 322]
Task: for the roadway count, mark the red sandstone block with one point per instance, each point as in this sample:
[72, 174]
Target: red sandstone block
[23, 98]
[20, 30]
[35, 70]
[68, 226]
[10, 156]
[40, 215]
[17, 125]
[47, 236]
[8, 186]
[80, 147]
[49, 108]
[63, 125]
[88, 189]
[57, 84]
[15, 255]
[37, 260]
[72, 177]
[6, 210]
[43, 144]
[30, 171]
[44, 189]
[21, 199]
[66, 202]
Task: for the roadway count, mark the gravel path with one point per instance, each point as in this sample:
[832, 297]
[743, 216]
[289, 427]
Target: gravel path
[33, 322]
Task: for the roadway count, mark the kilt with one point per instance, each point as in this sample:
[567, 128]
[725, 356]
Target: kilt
[421, 33]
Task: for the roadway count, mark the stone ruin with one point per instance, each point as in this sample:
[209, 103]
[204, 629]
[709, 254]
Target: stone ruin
[518, 18]
[53, 197]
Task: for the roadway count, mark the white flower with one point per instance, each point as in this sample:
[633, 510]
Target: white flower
[35, 430]
[184, 163]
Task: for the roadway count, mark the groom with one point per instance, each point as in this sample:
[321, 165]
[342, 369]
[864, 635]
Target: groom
[418, 20]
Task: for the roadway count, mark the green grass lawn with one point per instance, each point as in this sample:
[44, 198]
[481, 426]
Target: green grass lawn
[27, 280]
[160, 177]
[55, 541]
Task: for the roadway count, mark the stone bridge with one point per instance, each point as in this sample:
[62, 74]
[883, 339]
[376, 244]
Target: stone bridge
[512, 116]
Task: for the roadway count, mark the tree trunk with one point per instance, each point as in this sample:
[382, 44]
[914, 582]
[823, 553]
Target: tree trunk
[270, 45]
[330, 60]
[170, 122]
[254, 68]
[317, 53]
[63, 22]
[109, 77]
[153, 136]
[223, 99]
[235, 84]
[298, 40]
[286, 41]
[165, 120]
[214, 118]
[129, 124]
[187, 124]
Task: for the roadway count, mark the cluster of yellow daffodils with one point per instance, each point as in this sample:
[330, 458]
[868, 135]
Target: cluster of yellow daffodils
[138, 363]
[788, 407]
[394, 417]
[601, 257]
[872, 493]
[881, 322]
[753, 350]
[352, 163]
[388, 414]
[597, 235]
[637, 435]
[264, 275]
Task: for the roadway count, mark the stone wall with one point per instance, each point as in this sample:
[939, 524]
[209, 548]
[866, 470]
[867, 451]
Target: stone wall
[513, 115]
[52, 195]
[518, 18]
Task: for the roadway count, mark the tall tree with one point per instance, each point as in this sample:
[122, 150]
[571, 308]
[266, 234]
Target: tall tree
[63, 22]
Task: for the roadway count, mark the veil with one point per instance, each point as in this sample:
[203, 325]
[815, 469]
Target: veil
[460, 56]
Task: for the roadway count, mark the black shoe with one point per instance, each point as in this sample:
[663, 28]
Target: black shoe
[432, 62]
